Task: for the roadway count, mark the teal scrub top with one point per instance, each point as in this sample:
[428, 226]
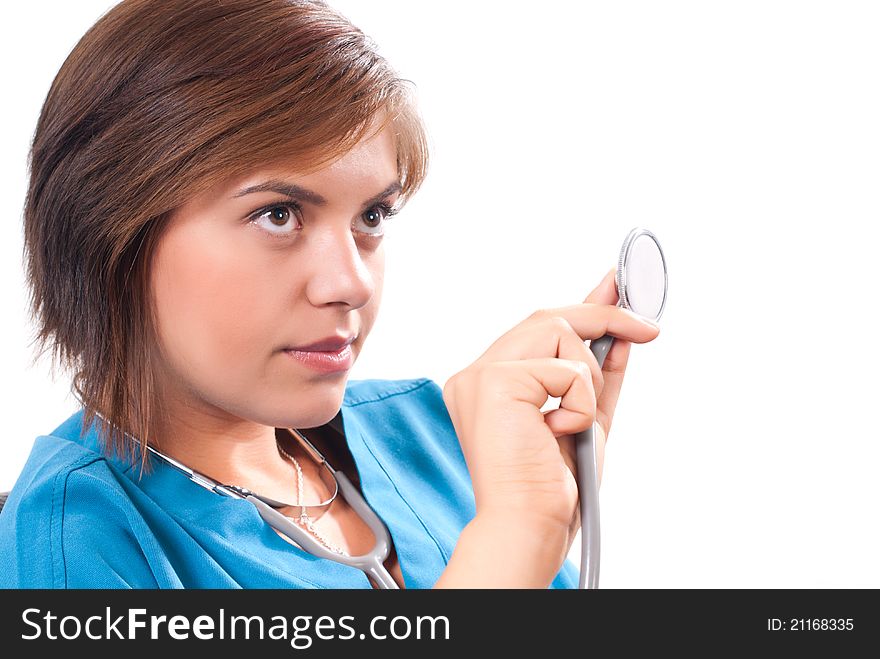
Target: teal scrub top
[77, 518]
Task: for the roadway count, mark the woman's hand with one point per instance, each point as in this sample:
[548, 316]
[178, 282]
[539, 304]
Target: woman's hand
[522, 461]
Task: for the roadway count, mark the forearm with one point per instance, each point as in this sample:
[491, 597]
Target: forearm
[509, 551]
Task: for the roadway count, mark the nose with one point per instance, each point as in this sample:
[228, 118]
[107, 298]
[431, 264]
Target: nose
[338, 273]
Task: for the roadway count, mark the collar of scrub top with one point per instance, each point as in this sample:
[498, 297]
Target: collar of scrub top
[371, 563]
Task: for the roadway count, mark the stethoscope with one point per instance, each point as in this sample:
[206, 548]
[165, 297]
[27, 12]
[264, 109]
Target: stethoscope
[371, 563]
[641, 281]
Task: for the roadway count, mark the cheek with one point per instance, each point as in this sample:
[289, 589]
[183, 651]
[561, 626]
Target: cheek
[376, 266]
[213, 304]
[377, 270]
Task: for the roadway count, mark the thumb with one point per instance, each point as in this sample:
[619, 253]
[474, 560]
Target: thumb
[606, 291]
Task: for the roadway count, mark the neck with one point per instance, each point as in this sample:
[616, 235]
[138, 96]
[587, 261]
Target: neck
[232, 451]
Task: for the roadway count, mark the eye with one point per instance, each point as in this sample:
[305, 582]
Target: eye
[276, 219]
[375, 219]
[280, 219]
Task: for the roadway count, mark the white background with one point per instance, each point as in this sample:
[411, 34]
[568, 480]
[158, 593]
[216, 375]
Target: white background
[744, 451]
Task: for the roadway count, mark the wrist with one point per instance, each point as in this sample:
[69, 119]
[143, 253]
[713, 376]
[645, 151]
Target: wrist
[502, 550]
[525, 518]
[519, 521]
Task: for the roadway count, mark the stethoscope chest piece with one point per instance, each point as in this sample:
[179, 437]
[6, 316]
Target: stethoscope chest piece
[642, 279]
[642, 283]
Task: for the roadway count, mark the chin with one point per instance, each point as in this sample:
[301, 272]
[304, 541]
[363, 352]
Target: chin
[311, 421]
[322, 405]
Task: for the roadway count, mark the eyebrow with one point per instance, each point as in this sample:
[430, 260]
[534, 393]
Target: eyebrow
[301, 193]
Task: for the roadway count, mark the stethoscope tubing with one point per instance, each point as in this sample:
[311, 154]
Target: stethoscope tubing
[371, 563]
[588, 486]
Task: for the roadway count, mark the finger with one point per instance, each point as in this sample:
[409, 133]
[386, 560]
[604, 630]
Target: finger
[591, 321]
[613, 371]
[568, 449]
[532, 380]
[606, 291]
[533, 337]
[553, 336]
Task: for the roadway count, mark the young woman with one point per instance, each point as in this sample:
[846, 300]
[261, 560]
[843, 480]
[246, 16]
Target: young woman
[209, 186]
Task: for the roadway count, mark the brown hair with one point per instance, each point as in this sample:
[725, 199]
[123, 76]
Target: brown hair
[159, 101]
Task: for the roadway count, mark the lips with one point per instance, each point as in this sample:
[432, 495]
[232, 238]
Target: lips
[328, 344]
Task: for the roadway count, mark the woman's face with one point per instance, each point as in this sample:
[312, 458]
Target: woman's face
[238, 276]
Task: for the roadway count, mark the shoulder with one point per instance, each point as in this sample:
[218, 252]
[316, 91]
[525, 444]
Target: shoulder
[67, 522]
[405, 413]
[406, 427]
[419, 399]
[365, 392]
